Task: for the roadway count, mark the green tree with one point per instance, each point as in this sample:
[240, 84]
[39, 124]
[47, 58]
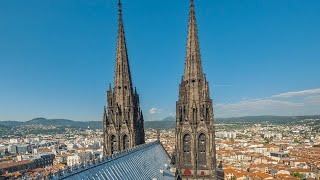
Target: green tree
[298, 175]
[267, 140]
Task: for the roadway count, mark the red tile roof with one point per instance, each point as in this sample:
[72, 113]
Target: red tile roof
[12, 164]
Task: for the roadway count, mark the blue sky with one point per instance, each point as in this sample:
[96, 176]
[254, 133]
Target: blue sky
[57, 57]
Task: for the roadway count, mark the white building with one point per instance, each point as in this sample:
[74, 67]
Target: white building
[226, 134]
[73, 160]
[78, 158]
[14, 141]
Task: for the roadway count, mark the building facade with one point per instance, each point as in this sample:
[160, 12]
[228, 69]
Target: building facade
[195, 134]
[123, 119]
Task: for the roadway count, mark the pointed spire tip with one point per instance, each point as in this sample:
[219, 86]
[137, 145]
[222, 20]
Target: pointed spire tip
[120, 7]
[192, 2]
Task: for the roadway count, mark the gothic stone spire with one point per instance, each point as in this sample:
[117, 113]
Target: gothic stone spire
[193, 66]
[122, 76]
[195, 138]
[123, 121]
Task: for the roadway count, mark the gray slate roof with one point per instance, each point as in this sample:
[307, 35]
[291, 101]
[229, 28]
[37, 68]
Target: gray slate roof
[139, 163]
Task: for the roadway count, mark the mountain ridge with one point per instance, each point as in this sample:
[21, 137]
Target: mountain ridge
[169, 118]
[168, 122]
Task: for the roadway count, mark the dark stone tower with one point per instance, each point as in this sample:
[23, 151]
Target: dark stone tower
[195, 133]
[123, 119]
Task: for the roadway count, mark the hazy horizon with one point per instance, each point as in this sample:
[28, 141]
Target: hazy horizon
[157, 119]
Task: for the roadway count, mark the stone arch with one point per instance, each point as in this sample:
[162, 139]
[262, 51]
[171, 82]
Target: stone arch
[202, 146]
[186, 149]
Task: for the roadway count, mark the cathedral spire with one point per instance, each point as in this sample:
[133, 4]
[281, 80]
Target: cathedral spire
[195, 133]
[122, 77]
[123, 123]
[193, 66]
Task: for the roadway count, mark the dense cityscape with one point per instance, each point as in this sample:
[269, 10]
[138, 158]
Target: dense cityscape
[246, 150]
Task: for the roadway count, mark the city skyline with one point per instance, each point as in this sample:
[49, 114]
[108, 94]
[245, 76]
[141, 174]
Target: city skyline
[50, 68]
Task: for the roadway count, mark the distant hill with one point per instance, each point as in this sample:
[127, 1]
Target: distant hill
[166, 123]
[56, 122]
[3, 127]
[257, 119]
[170, 118]
[44, 121]
[66, 123]
[169, 122]
[271, 119]
[160, 124]
[10, 123]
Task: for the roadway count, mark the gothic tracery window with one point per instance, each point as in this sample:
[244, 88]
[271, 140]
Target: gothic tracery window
[202, 149]
[187, 149]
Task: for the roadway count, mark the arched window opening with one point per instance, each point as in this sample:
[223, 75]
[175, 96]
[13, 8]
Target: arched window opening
[180, 114]
[125, 142]
[184, 113]
[110, 116]
[187, 149]
[194, 114]
[202, 113]
[128, 117]
[202, 149]
[113, 143]
[207, 114]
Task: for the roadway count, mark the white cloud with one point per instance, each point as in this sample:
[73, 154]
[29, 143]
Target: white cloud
[281, 104]
[306, 102]
[298, 93]
[315, 100]
[154, 110]
[257, 104]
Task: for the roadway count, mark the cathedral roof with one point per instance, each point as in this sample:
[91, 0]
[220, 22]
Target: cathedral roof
[141, 162]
